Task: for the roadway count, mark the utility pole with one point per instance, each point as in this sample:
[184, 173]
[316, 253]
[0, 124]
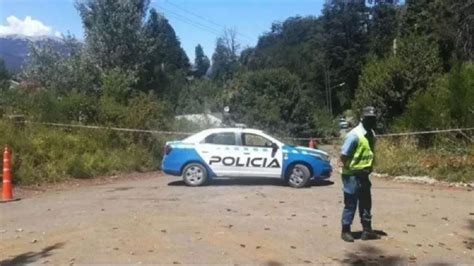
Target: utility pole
[327, 83]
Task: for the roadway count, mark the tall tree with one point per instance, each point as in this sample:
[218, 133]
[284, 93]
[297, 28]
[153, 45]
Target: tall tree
[225, 58]
[268, 99]
[389, 83]
[346, 46]
[4, 76]
[61, 70]
[383, 28]
[162, 55]
[112, 31]
[447, 22]
[163, 44]
[201, 62]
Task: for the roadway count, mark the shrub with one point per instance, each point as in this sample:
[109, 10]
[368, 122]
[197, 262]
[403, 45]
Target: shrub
[42, 154]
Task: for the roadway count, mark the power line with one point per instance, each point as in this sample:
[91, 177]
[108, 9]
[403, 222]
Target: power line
[190, 21]
[206, 19]
[194, 14]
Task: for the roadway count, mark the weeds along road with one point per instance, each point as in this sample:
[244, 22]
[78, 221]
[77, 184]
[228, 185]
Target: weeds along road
[156, 219]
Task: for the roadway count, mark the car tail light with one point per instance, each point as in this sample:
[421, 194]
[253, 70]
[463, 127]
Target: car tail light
[167, 149]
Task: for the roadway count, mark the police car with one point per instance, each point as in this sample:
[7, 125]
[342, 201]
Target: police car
[241, 152]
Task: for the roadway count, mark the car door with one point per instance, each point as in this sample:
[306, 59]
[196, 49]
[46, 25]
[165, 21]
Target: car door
[259, 157]
[220, 152]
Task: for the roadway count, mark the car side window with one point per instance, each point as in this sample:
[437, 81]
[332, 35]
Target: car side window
[221, 139]
[254, 140]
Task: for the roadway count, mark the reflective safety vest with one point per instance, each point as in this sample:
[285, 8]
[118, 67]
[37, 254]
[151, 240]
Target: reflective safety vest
[362, 158]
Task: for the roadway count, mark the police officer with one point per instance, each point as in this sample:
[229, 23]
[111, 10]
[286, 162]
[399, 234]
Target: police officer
[357, 155]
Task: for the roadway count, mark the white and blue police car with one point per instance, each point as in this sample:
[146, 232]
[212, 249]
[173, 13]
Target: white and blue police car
[242, 152]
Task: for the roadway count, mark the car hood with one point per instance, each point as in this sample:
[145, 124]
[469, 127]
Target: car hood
[305, 150]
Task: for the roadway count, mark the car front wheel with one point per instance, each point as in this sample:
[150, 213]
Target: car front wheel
[299, 176]
[194, 175]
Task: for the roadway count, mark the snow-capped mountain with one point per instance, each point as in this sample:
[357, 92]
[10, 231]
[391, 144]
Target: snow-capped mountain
[14, 49]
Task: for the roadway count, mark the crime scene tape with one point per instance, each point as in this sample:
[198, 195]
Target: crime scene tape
[133, 130]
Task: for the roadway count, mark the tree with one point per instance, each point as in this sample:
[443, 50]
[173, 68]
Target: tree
[383, 29]
[389, 83]
[62, 70]
[225, 58]
[201, 62]
[4, 76]
[297, 45]
[345, 47]
[447, 102]
[113, 31]
[199, 96]
[163, 44]
[162, 55]
[446, 22]
[268, 99]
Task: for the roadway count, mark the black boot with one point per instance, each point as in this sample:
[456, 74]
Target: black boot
[368, 233]
[346, 233]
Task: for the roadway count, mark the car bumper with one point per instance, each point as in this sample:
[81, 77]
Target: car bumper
[324, 173]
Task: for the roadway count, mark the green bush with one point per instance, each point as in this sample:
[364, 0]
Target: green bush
[448, 102]
[42, 154]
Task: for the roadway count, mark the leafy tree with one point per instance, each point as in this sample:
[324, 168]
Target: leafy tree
[345, 47]
[383, 28]
[447, 102]
[163, 44]
[113, 31]
[446, 22]
[200, 96]
[297, 44]
[388, 83]
[162, 55]
[201, 62]
[225, 58]
[267, 99]
[61, 70]
[461, 87]
[4, 76]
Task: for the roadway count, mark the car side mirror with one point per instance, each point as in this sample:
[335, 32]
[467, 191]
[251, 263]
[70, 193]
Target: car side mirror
[274, 149]
[275, 146]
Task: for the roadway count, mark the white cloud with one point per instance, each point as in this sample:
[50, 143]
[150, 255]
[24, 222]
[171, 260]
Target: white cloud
[27, 27]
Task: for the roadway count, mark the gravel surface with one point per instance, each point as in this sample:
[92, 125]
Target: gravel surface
[154, 218]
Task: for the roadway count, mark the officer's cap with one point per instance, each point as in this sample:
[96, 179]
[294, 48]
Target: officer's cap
[369, 111]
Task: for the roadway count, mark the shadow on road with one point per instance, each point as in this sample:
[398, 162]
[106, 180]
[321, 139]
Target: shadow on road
[370, 255]
[31, 257]
[251, 182]
[322, 183]
[469, 242]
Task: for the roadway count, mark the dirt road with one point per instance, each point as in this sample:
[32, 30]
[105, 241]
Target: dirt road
[156, 219]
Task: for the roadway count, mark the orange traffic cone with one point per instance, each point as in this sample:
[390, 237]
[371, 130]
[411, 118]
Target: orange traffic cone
[7, 191]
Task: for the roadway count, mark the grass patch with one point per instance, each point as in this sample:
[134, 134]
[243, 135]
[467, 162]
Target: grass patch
[42, 154]
[446, 159]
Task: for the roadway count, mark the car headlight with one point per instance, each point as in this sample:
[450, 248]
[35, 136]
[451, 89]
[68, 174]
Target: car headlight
[321, 156]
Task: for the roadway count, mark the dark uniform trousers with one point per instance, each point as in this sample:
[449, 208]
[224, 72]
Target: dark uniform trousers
[357, 191]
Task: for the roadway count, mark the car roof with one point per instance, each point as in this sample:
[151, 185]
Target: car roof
[198, 136]
[231, 129]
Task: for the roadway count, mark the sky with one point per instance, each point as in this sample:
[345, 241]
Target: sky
[195, 21]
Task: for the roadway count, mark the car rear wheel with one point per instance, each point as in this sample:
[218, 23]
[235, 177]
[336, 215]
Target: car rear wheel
[194, 175]
[299, 176]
